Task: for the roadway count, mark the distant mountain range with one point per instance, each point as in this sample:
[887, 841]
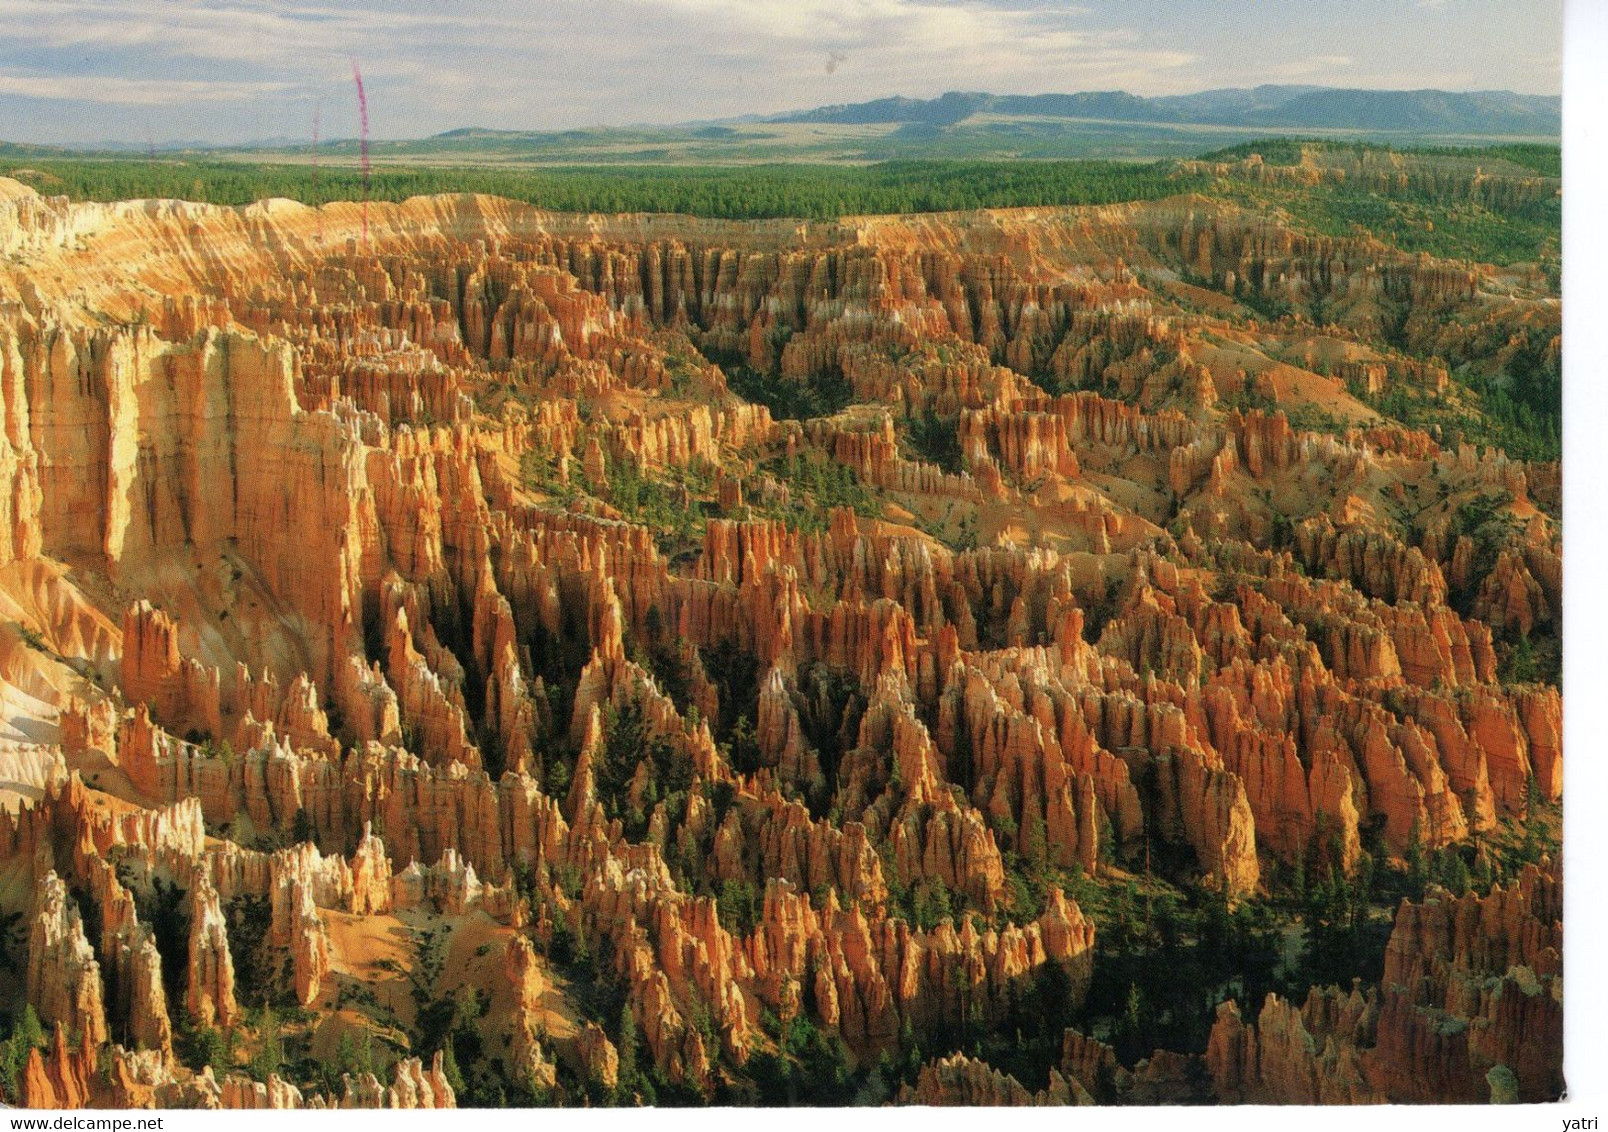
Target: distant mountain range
[960, 125]
[1492, 112]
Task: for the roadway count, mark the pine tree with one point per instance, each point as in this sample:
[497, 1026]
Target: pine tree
[270, 1059]
[450, 1070]
[27, 1033]
[1035, 841]
[626, 1042]
[1455, 875]
[1417, 863]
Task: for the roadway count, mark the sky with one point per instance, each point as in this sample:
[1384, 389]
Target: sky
[160, 71]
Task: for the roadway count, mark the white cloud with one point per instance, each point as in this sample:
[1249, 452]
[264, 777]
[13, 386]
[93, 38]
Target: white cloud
[303, 39]
[1323, 68]
[435, 64]
[133, 92]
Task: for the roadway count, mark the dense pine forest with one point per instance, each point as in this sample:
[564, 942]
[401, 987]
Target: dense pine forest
[1453, 213]
[807, 192]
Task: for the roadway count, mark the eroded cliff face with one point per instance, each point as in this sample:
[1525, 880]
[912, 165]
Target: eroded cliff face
[1472, 986]
[426, 619]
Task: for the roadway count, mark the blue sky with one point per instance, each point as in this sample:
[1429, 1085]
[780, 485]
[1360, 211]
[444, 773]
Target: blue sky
[76, 71]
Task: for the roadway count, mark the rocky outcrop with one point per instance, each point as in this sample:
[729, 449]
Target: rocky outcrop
[1472, 987]
[1295, 1056]
[961, 1081]
[243, 1092]
[60, 1078]
[524, 976]
[599, 1058]
[412, 1086]
[139, 1009]
[210, 997]
[1472, 983]
[64, 978]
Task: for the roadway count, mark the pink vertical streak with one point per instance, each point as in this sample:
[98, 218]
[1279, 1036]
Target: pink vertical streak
[313, 193]
[362, 118]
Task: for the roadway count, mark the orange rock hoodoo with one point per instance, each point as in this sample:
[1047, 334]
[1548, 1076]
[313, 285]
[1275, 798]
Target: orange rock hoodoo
[355, 630]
